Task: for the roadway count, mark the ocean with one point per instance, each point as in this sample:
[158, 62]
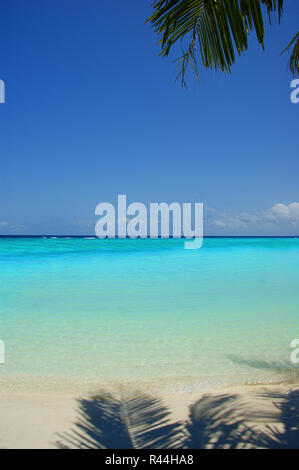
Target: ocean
[76, 311]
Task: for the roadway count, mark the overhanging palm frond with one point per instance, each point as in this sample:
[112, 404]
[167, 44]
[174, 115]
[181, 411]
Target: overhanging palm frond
[213, 29]
[294, 57]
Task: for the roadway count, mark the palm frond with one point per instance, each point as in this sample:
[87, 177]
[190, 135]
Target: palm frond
[294, 57]
[212, 29]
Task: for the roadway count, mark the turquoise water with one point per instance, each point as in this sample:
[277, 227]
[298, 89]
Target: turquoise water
[89, 309]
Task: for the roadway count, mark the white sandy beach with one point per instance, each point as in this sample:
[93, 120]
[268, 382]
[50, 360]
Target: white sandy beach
[247, 416]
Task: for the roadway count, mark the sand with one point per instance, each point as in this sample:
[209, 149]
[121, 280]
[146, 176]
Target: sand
[257, 416]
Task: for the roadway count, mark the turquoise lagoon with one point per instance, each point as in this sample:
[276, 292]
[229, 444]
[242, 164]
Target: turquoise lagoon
[79, 310]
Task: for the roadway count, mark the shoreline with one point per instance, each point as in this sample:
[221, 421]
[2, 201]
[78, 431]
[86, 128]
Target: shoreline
[48, 420]
[182, 385]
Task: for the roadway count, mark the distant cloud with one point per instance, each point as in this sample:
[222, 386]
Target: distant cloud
[288, 213]
[84, 223]
[225, 220]
[11, 227]
[17, 227]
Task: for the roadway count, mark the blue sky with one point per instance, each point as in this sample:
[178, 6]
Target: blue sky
[92, 111]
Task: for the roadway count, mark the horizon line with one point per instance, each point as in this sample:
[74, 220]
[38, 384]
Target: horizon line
[147, 238]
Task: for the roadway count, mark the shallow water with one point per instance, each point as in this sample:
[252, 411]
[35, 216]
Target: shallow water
[86, 309]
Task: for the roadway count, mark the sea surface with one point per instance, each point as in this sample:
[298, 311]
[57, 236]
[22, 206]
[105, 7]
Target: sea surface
[82, 310]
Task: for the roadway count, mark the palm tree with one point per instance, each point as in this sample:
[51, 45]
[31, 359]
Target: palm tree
[214, 30]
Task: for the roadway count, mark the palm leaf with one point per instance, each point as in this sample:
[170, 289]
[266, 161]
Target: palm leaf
[294, 57]
[212, 29]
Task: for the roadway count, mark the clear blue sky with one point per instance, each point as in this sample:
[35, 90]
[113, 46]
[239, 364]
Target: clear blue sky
[92, 111]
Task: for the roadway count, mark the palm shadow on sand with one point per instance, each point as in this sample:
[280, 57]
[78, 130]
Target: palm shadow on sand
[288, 408]
[225, 422]
[135, 422]
[221, 421]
